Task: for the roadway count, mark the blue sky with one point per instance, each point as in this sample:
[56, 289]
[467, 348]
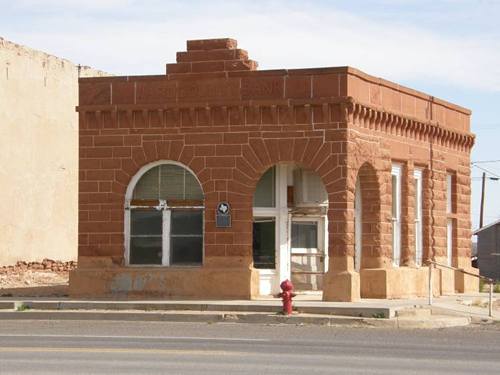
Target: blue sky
[448, 48]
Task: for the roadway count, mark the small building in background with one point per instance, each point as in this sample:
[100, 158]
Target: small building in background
[488, 250]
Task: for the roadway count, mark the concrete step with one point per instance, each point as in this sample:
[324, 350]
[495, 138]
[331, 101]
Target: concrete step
[433, 321]
[478, 302]
[416, 312]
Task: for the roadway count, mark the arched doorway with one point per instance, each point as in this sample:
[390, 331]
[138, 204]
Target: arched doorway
[290, 228]
[367, 219]
[358, 226]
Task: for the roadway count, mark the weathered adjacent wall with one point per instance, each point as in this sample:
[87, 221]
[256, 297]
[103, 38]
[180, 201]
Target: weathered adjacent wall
[488, 247]
[38, 155]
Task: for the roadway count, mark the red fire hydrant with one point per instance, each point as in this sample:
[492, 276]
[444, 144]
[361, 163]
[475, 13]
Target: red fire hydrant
[286, 296]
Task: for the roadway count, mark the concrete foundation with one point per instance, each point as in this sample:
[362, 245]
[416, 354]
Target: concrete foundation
[341, 286]
[401, 282]
[150, 282]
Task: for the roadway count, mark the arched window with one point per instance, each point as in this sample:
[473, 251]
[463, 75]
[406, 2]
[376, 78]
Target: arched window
[164, 217]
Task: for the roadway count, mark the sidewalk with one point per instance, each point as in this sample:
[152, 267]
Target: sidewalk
[447, 311]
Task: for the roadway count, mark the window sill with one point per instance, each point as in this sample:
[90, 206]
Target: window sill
[266, 271]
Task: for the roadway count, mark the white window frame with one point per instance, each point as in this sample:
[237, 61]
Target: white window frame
[396, 221]
[166, 219]
[449, 193]
[449, 242]
[449, 220]
[417, 174]
[319, 221]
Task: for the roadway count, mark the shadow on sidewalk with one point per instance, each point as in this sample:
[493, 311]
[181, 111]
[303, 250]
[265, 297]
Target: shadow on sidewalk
[60, 290]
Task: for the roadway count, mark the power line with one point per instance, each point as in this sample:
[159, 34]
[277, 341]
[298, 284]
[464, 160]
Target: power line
[485, 161]
[487, 171]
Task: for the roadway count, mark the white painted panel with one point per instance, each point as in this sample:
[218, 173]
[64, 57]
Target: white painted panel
[396, 214]
[449, 242]
[418, 217]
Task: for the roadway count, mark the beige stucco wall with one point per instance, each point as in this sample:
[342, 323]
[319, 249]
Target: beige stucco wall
[38, 155]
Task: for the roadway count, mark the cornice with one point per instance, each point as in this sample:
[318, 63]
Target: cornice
[382, 120]
[351, 112]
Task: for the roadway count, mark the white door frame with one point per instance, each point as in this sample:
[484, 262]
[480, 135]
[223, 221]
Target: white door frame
[271, 278]
[396, 220]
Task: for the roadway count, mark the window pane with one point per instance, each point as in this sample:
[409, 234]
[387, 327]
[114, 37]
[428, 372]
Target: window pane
[145, 250]
[265, 192]
[264, 245]
[145, 222]
[396, 250]
[417, 202]
[394, 196]
[316, 192]
[148, 185]
[449, 241]
[171, 182]
[418, 219]
[186, 250]
[186, 222]
[193, 189]
[305, 235]
[449, 192]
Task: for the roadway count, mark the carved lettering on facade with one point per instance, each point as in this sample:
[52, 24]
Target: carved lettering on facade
[208, 90]
[95, 94]
[262, 88]
[155, 92]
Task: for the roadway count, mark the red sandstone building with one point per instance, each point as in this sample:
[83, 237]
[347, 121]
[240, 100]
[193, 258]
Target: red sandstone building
[218, 180]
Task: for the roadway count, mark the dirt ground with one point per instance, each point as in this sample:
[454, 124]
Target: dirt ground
[30, 279]
[48, 277]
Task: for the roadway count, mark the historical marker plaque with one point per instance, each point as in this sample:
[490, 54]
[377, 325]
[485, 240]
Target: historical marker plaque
[223, 215]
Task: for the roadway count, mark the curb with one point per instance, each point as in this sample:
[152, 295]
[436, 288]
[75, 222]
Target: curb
[217, 317]
[237, 317]
[363, 312]
[436, 321]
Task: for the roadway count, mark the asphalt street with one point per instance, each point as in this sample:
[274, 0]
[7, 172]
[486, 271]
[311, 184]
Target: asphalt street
[104, 347]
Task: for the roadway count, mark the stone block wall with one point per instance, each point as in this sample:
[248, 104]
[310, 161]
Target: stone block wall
[229, 125]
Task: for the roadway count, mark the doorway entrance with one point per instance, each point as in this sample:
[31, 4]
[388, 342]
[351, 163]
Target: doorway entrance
[290, 229]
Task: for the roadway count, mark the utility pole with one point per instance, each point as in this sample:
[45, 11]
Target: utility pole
[482, 201]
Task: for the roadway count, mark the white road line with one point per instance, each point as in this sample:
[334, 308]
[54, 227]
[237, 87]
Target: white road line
[116, 350]
[134, 337]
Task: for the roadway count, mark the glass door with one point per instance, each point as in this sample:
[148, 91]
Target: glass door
[307, 257]
[264, 243]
